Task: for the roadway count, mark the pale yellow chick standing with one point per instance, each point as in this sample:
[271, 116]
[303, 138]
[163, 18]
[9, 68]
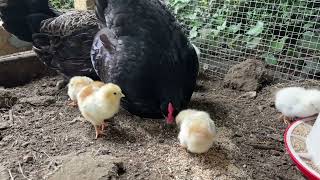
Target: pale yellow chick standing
[197, 130]
[75, 84]
[98, 102]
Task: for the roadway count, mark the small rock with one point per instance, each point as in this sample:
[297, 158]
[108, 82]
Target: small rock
[4, 125]
[85, 166]
[61, 84]
[39, 100]
[104, 152]
[260, 108]
[4, 175]
[251, 95]
[25, 144]
[7, 98]
[27, 158]
[244, 166]
[7, 138]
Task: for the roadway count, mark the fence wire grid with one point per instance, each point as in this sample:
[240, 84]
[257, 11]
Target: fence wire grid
[283, 33]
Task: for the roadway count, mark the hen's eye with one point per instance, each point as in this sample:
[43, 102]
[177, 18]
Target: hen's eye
[115, 93]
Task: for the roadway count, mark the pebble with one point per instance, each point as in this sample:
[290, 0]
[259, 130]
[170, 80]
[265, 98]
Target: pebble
[60, 84]
[7, 138]
[4, 173]
[27, 158]
[104, 152]
[25, 144]
[4, 125]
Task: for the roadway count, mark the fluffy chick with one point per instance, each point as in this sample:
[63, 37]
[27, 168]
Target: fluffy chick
[197, 130]
[312, 100]
[99, 102]
[295, 102]
[75, 84]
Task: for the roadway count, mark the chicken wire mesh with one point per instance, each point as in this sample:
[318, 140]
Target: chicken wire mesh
[283, 33]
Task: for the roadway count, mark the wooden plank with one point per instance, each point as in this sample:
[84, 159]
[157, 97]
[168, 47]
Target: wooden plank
[20, 68]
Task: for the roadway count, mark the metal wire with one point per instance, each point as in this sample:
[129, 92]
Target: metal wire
[283, 33]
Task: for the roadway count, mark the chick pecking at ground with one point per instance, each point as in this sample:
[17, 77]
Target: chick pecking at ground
[295, 102]
[98, 102]
[197, 130]
[75, 84]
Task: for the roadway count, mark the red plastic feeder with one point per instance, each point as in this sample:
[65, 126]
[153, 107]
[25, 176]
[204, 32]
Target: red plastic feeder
[298, 131]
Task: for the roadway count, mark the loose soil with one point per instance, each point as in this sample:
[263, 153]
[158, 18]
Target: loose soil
[42, 138]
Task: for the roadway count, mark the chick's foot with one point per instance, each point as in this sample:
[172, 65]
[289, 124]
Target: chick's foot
[99, 131]
[104, 125]
[183, 145]
[73, 104]
[287, 120]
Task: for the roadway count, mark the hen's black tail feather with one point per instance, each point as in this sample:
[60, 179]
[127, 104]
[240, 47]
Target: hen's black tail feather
[22, 18]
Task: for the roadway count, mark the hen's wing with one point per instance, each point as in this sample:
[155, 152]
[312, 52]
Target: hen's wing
[64, 43]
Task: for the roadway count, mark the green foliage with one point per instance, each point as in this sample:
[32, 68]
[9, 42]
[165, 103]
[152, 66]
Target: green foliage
[62, 4]
[269, 29]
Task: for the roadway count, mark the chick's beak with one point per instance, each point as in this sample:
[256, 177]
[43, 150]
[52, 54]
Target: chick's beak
[122, 95]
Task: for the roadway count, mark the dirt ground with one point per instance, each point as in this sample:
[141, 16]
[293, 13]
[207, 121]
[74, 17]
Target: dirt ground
[41, 137]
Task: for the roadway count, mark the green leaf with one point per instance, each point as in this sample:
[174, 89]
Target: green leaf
[232, 41]
[253, 42]
[234, 28]
[193, 33]
[192, 16]
[308, 26]
[278, 45]
[311, 67]
[178, 7]
[310, 40]
[205, 32]
[222, 26]
[256, 30]
[270, 59]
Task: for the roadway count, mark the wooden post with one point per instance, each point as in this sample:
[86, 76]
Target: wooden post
[84, 4]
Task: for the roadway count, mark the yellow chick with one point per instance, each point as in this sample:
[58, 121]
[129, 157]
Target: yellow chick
[197, 130]
[75, 84]
[98, 102]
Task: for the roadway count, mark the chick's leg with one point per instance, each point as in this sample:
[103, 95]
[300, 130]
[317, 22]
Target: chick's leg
[99, 131]
[183, 145]
[287, 120]
[73, 104]
[104, 125]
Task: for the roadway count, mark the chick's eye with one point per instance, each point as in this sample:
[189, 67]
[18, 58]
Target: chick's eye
[115, 93]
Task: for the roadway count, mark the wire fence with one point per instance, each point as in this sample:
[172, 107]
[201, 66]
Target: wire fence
[283, 33]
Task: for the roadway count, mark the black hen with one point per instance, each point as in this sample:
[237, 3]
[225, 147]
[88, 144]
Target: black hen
[61, 41]
[143, 49]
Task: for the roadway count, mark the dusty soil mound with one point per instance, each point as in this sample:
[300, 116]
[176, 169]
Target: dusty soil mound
[43, 137]
[249, 75]
[88, 166]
